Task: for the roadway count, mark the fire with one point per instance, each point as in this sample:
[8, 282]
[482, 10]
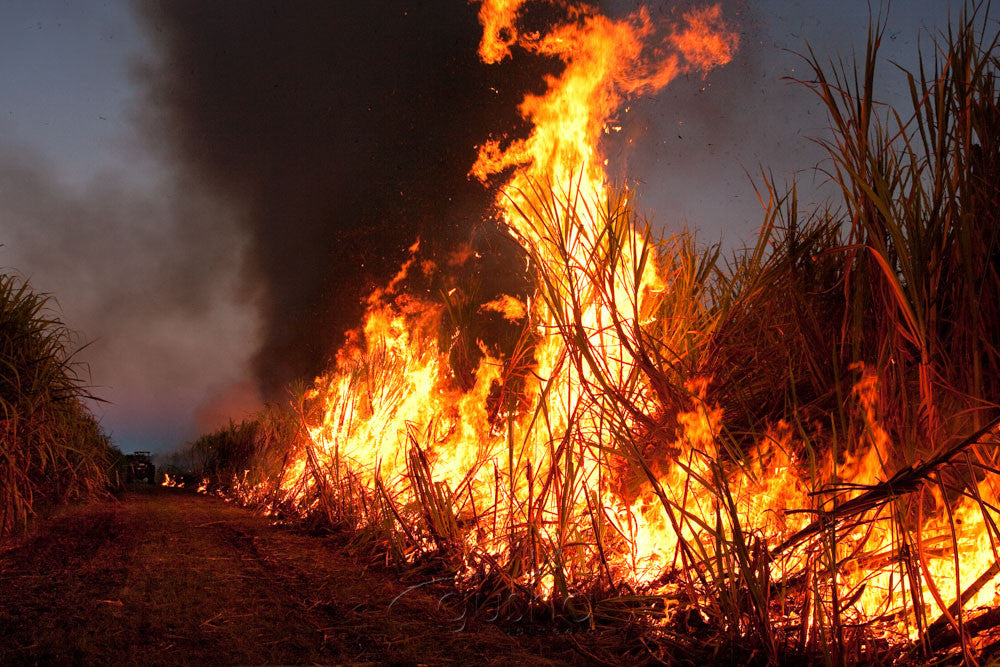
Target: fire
[392, 427]
[511, 309]
[499, 32]
[172, 482]
[605, 61]
[562, 468]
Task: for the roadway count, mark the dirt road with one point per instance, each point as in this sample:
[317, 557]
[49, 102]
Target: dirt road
[168, 577]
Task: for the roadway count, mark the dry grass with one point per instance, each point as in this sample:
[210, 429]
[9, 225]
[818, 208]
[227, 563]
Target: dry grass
[51, 449]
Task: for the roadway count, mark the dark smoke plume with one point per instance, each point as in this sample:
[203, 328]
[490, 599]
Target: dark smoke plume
[340, 132]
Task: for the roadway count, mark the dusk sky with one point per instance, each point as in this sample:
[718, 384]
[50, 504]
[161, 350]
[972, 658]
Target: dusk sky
[210, 240]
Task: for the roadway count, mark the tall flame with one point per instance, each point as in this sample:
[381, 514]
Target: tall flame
[605, 62]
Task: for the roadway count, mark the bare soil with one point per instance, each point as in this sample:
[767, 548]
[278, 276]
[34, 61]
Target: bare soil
[164, 576]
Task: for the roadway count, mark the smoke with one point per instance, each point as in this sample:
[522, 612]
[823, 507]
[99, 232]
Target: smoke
[339, 132]
[144, 275]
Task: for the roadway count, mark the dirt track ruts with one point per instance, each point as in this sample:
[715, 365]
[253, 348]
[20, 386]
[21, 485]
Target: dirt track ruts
[168, 577]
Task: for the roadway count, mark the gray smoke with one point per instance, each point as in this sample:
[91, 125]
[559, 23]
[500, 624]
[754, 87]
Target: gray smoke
[145, 276]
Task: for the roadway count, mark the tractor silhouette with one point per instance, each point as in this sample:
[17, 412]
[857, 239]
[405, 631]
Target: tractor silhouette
[140, 467]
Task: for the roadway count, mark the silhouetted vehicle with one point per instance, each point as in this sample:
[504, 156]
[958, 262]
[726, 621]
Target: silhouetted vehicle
[140, 467]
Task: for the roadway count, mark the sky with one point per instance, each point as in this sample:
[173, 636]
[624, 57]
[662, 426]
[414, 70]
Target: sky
[209, 189]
